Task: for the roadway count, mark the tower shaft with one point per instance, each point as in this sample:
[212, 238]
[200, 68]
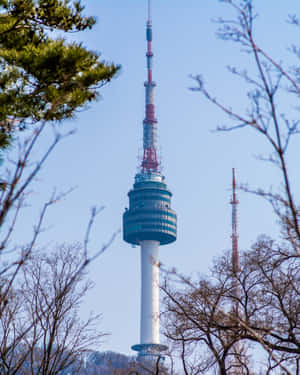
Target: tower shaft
[150, 293]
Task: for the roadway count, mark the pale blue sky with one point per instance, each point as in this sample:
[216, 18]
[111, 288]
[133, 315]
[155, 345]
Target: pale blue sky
[101, 158]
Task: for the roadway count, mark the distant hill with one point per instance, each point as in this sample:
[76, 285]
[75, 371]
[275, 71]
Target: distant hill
[108, 363]
[101, 363]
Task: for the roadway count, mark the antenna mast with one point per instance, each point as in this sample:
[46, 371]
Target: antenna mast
[149, 163]
[234, 236]
[149, 10]
[238, 349]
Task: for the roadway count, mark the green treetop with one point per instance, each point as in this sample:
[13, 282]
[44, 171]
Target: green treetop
[44, 78]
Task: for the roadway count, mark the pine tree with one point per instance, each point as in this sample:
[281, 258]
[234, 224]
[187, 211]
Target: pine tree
[44, 78]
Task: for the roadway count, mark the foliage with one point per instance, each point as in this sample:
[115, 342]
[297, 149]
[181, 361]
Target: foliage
[43, 78]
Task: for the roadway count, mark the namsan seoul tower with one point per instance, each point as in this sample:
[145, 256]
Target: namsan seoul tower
[149, 221]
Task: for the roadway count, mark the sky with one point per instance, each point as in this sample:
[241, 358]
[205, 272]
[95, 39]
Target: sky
[101, 159]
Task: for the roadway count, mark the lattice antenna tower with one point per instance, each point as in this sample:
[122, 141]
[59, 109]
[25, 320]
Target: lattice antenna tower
[238, 350]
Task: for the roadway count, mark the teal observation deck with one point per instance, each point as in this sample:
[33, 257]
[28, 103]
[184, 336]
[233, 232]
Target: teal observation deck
[149, 216]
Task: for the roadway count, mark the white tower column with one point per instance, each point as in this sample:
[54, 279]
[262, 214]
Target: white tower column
[149, 293]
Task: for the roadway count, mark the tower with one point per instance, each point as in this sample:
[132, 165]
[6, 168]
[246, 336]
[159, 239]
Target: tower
[238, 354]
[234, 236]
[149, 221]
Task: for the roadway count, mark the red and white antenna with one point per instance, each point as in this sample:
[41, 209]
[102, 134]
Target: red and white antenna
[238, 349]
[150, 162]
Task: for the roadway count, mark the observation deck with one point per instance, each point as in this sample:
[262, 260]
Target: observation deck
[149, 216]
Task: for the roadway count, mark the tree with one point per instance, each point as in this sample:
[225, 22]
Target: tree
[111, 363]
[44, 79]
[191, 312]
[41, 331]
[198, 312]
[264, 113]
[200, 321]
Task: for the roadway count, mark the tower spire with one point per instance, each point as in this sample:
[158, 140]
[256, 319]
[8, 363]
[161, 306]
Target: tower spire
[149, 163]
[237, 349]
[149, 10]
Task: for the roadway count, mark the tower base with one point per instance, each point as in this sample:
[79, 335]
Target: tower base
[149, 351]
